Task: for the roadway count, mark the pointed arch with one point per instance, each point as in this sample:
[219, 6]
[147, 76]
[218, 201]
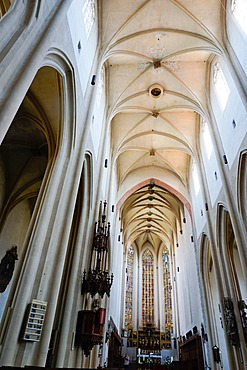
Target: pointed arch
[4, 7]
[242, 186]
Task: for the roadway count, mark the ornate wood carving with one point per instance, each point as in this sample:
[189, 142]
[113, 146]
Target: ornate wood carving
[230, 321]
[243, 313]
[89, 329]
[7, 266]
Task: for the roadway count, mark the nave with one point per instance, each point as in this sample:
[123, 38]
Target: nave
[123, 184]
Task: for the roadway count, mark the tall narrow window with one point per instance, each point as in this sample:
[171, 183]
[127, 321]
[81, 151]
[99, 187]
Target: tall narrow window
[167, 298]
[239, 10]
[147, 288]
[88, 12]
[100, 87]
[195, 178]
[207, 139]
[129, 287]
[221, 86]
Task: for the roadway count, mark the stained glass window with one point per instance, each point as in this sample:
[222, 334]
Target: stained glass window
[129, 287]
[167, 297]
[147, 288]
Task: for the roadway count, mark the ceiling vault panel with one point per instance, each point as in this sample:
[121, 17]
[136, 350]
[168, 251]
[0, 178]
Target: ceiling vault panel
[157, 55]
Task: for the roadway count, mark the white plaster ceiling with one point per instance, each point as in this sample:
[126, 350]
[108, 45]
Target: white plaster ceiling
[167, 44]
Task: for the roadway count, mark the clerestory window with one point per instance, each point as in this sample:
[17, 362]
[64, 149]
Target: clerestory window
[207, 139]
[100, 87]
[88, 12]
[239, 10]
[221, 86]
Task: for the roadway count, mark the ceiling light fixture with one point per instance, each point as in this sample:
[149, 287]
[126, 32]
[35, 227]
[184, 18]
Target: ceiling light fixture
[156, 91]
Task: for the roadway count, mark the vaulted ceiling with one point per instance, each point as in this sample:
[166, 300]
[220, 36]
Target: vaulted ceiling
[157, 54]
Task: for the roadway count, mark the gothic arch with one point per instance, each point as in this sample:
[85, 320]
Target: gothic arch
[228, 251]
[28, 156]
[4, 7]
[235, 273]
[77, 254]
[242, 186]
[160, 183]
[211, 280]
[233, 282]
[148, 246]
[41, 114]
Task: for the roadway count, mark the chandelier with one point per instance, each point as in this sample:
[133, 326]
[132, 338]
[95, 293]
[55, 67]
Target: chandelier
[97, 279]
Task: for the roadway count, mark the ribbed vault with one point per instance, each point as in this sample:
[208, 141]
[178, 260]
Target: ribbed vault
[150, 214]
[157, 55]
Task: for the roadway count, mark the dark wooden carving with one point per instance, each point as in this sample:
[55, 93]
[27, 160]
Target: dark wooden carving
[191, 353]
[89, 329]
[230, 321]
[7, 266]
[243, 313]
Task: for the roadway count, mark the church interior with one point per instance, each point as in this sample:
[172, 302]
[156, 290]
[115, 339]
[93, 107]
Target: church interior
[123, 187]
